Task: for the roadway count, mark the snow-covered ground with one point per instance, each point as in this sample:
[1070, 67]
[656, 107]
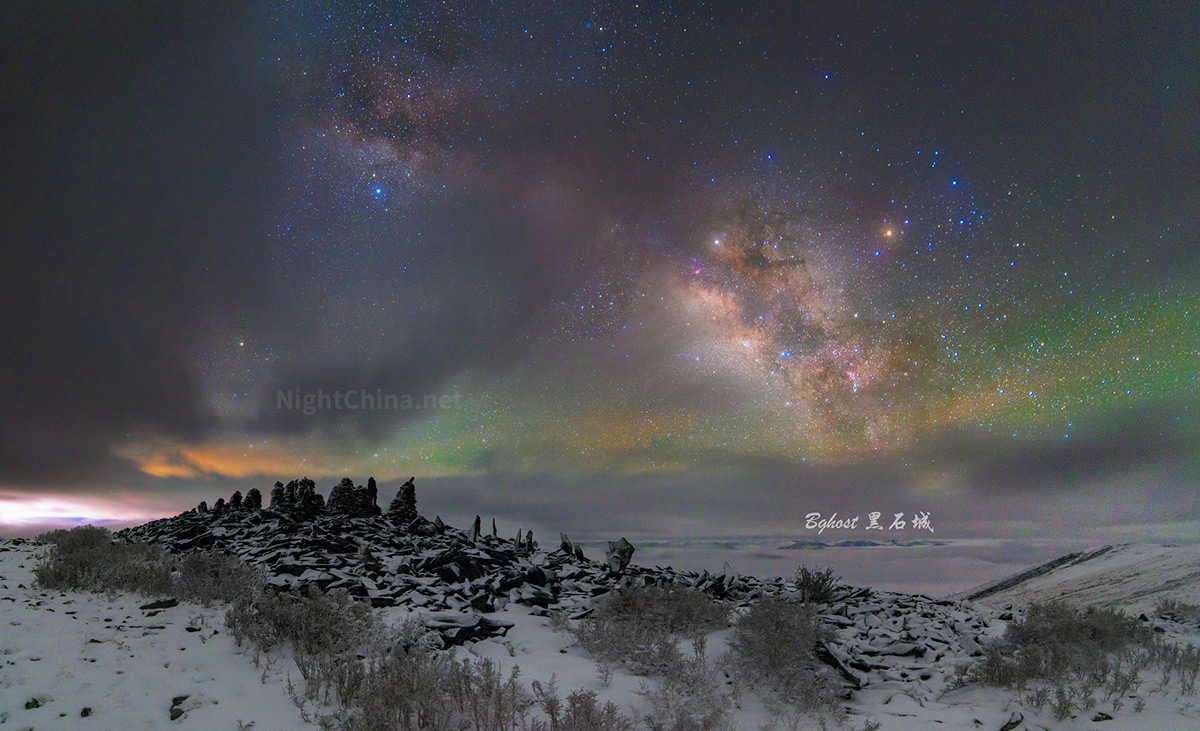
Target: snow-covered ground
[1132, 577]
[136, 668]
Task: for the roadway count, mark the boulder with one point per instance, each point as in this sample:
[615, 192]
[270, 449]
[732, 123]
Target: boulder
[618, 555]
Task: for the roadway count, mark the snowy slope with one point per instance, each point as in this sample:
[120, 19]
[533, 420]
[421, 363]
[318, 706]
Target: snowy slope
[1132, 577]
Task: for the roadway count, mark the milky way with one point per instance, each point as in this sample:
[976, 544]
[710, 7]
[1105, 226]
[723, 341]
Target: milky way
[627, 238]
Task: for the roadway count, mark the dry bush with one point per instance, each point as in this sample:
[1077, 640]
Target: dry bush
[1056, 641]
[210, 576]
[86, 559]
[1179, 611]
[773, 650]
[639, 626]
[819, 587]
[581, 712]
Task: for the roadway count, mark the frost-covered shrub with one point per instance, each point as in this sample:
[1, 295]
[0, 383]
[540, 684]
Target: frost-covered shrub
[773, 649]
[1054, 641]
[581, 712]
[639, 626]
[86, 559]
[818, 586]
[77, 539]
[210, 576]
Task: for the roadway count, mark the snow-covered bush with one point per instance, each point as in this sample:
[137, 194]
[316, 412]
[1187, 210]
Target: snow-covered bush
[209, 576]
[86, 559]
[639, 626]
[818, 586]
[1054, 641]
[773, 651]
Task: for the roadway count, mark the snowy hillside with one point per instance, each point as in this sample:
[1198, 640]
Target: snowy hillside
[1132, 577]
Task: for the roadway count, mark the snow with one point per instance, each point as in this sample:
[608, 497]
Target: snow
[129, 666]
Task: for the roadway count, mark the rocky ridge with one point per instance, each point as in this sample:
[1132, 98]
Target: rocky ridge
[457, 578]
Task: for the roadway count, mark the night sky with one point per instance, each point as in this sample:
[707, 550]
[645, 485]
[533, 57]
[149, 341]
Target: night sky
[665, 270]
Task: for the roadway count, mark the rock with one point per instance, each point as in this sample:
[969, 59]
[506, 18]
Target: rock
[309, 502]
[373, 491]
[161, 604]
[457, 629]
[475, 530]
[253, 500]
[404, 507]
[202, 507]
[355, 501]
[235, 500]
[565, 544]
[1101, 716]
[494, 534]
[219, 506]
[87, 711]
[579, 552]
[1016, 719]
[278, 496]
[32, 703]
[619, 554]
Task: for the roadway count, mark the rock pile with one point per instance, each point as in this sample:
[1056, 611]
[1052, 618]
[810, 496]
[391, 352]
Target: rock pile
[458, 577]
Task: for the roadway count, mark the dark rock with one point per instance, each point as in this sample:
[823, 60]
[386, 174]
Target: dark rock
[85, 712]
[253, 499]
[457, 629]
[565, 544]
[373, 491]
[202, 507]
[619, 554]
[404, 506]
[219, 506]
[475, 530]
[309, 502]
[161, 604]
[825, 655]
[235, 500]
[32, 703]
[353, 500]
[278, 496]
[1016, 719]
[579, 552]
[176, 713]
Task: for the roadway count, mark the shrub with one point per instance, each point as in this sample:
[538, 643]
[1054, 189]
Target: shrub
[639, 626]
[86, 559]
[209, 576]
[773, 648]
[1057, 640]
[818, 586]
[582, 712]
[1171, 608]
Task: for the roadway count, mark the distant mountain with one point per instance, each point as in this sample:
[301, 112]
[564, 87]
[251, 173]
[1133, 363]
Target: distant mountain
[803, 545]
[1132, 577]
